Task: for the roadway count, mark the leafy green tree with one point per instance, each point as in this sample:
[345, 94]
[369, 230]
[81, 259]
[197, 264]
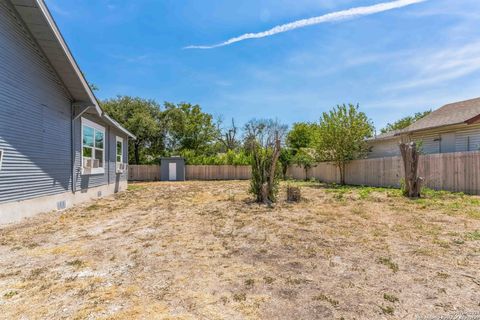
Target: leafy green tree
[188, 128]
[305, 158]
[405, 122]
[341, 136]
[286, 157]
[301, 135]
[142, 118]
[236, 158]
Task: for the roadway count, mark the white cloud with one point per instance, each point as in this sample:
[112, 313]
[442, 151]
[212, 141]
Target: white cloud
[441, 66]
[334, 16]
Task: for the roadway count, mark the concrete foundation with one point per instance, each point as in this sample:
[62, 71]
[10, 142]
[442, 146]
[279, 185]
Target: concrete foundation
[16, 211]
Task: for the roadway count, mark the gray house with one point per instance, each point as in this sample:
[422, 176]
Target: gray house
[57, 146]
[454, 127]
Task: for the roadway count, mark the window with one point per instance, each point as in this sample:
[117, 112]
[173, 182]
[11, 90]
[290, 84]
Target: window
[121, 166]
[119, 150]
[1, 159]
[93, 148]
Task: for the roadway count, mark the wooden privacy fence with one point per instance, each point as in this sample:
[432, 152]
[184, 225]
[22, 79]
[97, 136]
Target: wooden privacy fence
[218, 172]
[143, 173]
[152, 172]
[459, 172]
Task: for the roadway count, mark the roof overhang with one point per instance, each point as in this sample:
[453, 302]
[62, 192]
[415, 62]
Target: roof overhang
[45, 32]
[473, 120]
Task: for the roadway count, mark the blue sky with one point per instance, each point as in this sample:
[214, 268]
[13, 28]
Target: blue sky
[392, 63]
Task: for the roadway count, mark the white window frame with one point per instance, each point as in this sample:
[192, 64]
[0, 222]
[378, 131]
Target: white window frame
[1, 158]
[120, 166]
[119, 139]
[96, 127]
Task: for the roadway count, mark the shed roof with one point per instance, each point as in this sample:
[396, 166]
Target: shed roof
[45, 33]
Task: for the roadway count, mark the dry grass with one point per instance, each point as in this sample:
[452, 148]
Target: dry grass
[202, 250]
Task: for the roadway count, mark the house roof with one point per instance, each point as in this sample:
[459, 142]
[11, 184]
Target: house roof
[467, 112]
[45, 33]
[450, 114]
[385, 136]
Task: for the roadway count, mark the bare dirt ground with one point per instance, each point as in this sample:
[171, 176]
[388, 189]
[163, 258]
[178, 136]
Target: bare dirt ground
[202, 250]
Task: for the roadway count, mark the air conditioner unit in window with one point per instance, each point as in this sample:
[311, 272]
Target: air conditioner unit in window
[89, 165]
[121, 167]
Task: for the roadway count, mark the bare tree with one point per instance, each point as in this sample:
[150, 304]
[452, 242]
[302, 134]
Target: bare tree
[229, 137]
[263, 139]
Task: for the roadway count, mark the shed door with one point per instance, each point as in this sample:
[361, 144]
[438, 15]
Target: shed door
[172, 171]
[447, 143]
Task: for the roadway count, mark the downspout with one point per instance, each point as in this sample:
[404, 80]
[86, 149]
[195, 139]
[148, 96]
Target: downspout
[72, 151]
[72, 138]
[108, 155]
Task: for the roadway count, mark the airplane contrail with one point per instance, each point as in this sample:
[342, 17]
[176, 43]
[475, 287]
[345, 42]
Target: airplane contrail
[334, 16]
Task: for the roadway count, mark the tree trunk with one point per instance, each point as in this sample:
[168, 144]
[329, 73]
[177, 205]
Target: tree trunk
[137, 153]
[413, 183]
[284, 172]
[271, 175]
[341, 167]
[264, 194]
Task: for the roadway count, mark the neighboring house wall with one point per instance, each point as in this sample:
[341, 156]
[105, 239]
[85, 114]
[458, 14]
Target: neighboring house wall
[384, 148]
[35, 113]
[457, 138]
[460, 138]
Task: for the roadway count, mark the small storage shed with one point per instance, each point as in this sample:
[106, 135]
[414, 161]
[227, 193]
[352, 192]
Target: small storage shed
[172, 169]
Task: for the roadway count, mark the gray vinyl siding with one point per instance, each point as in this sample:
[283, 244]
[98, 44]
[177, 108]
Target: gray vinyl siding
[35, 113]
[468, 140]
[384, 148]
[428, 143]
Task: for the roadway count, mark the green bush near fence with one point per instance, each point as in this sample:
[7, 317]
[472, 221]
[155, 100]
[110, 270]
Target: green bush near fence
[235, 158]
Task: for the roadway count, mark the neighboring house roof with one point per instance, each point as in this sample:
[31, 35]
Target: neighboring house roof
[46, 34]
[450, 114]
[467, 111]
[384, 136]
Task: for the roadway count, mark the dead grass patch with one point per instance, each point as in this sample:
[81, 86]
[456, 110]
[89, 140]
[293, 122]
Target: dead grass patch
[203, 250]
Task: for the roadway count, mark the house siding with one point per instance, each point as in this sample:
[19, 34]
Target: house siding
[35, 113]
[467, 138]
[384, 148]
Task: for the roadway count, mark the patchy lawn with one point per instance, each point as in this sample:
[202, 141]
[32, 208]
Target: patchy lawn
[202, 250]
